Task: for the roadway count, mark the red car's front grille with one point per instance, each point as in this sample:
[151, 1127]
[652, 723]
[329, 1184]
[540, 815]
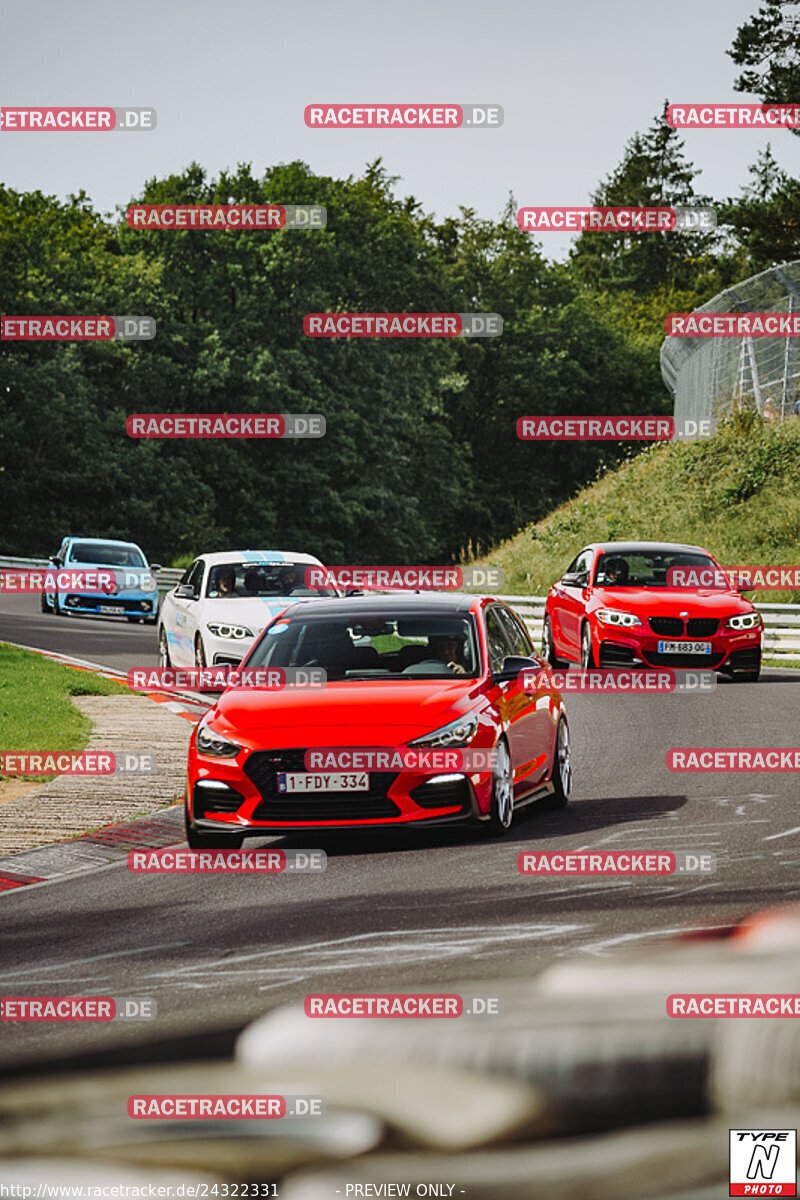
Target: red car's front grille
[262, 768]
[695, 627]
[667, 626]
[702, 627]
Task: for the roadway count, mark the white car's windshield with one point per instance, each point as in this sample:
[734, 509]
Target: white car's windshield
[231, 581]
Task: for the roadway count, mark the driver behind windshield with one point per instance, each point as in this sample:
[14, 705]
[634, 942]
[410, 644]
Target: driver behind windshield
[288, 580]
[615, 572]
[449, 649]
[223, 582]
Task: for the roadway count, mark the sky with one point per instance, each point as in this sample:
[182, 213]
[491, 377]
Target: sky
[230, 80]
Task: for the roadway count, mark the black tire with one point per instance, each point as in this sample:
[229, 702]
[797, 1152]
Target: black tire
[587, 654]
[502, 810]
[45, 606]
[57, 609]
[548, 647]
[164, 659]
[562, 769]
[746, 676]
[200, 840]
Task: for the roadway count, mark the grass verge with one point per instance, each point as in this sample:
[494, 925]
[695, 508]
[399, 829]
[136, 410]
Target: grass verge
[736, 494]
[36, 709]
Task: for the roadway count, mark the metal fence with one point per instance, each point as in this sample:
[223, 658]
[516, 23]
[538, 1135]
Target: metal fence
[781, 625]
[781, 621]
[711, 377]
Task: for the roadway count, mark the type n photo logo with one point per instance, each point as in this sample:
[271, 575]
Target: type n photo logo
[763, 1162]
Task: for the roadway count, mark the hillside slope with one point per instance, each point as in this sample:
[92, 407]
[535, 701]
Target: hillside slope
[737, 494]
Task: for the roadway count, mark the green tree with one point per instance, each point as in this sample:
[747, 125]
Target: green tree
[768, 47]
[654, 172]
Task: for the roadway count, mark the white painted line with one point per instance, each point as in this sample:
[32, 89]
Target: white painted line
[81, 962]
[785, 833]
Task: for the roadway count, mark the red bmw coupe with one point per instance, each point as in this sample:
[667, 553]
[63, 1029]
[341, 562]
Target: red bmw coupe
[417, 671]
[614, 607]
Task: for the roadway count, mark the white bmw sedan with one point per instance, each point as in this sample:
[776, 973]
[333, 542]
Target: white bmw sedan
[224, 600]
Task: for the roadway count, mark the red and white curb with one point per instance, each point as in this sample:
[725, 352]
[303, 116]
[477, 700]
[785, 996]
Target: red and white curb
[102, 848]
[109, 845]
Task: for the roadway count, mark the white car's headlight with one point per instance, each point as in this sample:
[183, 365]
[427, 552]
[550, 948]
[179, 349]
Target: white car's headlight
[744, 621]
[230, 631]
[215, 744]
[613, 616]
[457, 733]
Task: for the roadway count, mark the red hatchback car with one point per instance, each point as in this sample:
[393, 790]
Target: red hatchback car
[614, 607]
[419, 671]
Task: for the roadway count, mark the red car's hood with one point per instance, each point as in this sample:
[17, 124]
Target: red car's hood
[381, 713]
[671, 602]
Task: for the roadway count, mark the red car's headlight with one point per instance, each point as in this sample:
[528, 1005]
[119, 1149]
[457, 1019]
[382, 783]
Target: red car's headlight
[215, 744]
[614, 616]
[744, 621]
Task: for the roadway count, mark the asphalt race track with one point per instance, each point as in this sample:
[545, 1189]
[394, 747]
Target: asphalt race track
[110, 641]
[390, 911]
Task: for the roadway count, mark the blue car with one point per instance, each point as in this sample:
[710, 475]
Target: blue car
[132, 591]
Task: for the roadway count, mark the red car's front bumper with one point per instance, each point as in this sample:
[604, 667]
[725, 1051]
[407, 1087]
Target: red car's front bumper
[228, 796]
[730, 649]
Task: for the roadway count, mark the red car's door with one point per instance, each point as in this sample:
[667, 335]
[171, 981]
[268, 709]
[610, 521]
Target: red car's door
[530, 732]
[570, 606]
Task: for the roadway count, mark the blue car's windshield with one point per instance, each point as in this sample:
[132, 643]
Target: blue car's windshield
[106, 554]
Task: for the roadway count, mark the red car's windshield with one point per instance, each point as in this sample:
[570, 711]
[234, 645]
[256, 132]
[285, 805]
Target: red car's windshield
[645, 568]
[350, 647]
